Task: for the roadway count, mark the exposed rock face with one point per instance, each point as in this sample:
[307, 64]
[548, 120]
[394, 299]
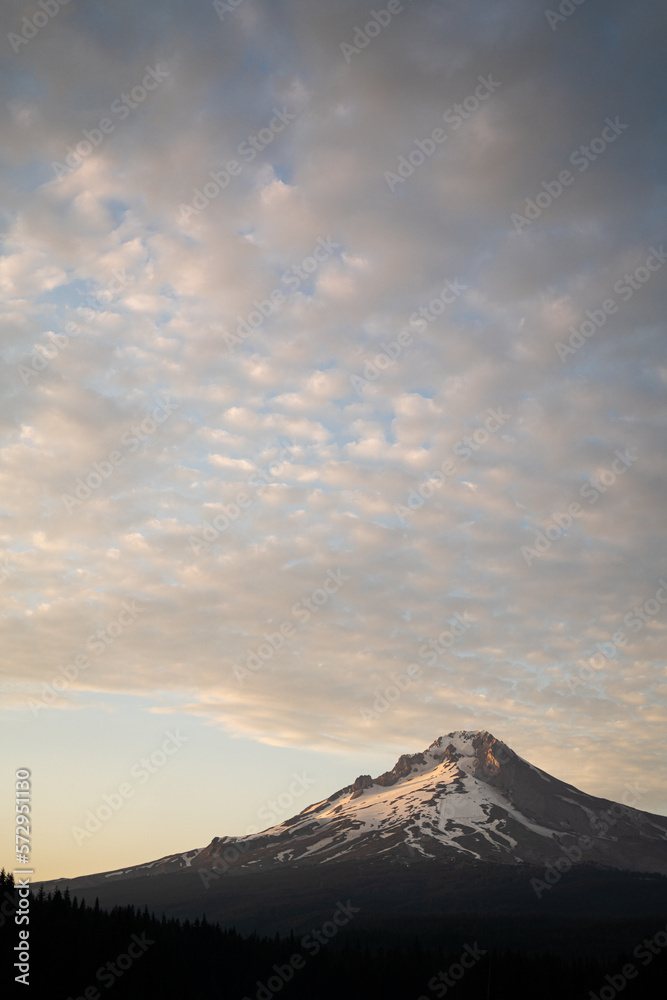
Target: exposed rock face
[363, 781]
[401, 769]
[467, 796]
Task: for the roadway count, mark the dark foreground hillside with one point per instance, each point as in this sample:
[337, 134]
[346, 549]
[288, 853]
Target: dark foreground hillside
[286, 898]
[79, 950]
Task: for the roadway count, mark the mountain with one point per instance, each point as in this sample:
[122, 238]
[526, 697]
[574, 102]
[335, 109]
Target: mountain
[466, 796]
[465, 819]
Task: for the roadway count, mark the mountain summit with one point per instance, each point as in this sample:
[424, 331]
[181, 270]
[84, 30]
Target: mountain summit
[467, 797]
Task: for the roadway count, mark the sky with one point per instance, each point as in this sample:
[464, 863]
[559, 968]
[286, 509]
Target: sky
[333, 404]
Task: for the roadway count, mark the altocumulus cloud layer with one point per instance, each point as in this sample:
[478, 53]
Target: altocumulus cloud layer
[352, 387]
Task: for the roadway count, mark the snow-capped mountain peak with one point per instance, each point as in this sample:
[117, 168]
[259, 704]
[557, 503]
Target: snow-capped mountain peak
[466, 797]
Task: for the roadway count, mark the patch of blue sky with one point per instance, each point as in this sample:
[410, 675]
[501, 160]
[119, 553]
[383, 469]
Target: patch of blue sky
[470, 317]
[256, 60]
[424, 391]
[189, 239]
[340, 544]
[388, 521]
[71, 295]
[306, 287]
[295, 562]
[32, 600]
[585, 363]
[116, 208]
[26, 84]
[162, 319]
[283, 171]
[28, 176]
[16, 544]
[168, 290]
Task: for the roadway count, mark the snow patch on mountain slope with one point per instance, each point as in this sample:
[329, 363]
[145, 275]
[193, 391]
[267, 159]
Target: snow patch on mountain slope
[189, 856]
[430, 795]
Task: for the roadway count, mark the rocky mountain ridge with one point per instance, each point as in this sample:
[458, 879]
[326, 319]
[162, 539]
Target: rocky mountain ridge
[468, 796]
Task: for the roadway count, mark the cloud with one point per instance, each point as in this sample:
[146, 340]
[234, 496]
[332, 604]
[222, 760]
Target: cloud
[155, 297]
